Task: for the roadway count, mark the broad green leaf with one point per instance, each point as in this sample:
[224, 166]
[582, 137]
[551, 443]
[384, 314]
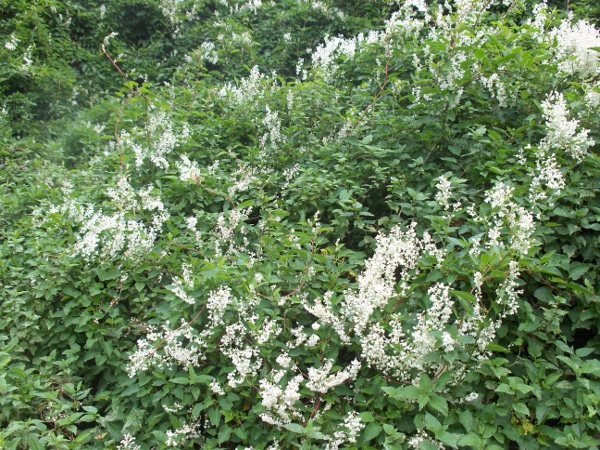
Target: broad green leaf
[439, 404]
[577, 270]
[466, 419]
[431, 423]
[521, 408]
[295, 428]
[372, 431]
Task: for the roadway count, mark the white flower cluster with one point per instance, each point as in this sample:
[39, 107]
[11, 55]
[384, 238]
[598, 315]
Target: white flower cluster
[244, 39]
[244, 176]
[188, 170]
[574, 48]
[280, 403]
[592, 97]
[128, 443]
[496, 87]
[422, 437]
[507, 292]
[321, 380]
[251, 5]
[243, 355]
[267, 331]
[444, 192]
[325, 9]
[164, 140]
[12, 43]
[377, 284]
[225, 233]
[178, 437]
[216, 388]
[181, 347]
[563, 134]
[401, 353]
[273, 134]
[547, 174]
[324, 57]
[178, 288]
[171, 9]
[105, 236]
[249, 88]
[506, 213]
[217, 304]
[208, 52]
[353, 426]
[574, 42]
[27, 61]
[323, 310]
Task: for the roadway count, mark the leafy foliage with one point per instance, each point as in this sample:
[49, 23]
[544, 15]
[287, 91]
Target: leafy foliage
[298, 224]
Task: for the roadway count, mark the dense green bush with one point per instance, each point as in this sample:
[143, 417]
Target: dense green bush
[299, 224]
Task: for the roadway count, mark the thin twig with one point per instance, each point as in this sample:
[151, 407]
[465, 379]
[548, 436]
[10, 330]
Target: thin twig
[113, 62]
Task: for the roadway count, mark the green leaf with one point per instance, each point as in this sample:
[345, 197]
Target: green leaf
[465, 296]
[34, 443]
[466, 419]
[366, 416]
[521, 408]
[224, 434]
[497, 348]
[295, 428]
[432, 424]
[215, 416]
[505, 388]
[403, 393]
[450, 439]
[544, 294]
[471, 440]
[540, 412]
[439, 404]
[110, 275]
[425, 384]
[577, 270]
[584, 351]
[591, 366]
[372, 431]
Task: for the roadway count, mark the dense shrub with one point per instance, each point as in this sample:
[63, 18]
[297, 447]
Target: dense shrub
[297, 224]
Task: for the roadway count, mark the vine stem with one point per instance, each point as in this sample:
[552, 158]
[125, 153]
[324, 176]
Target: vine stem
[113, 62]
[383, 86]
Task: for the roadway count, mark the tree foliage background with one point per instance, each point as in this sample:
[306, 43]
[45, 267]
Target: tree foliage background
[299, 224]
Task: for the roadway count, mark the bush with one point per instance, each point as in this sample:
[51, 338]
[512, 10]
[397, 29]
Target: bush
[389, 243]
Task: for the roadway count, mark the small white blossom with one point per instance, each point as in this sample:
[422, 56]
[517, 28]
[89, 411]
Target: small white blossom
[12, 44]
[444, 192]
[128, 443]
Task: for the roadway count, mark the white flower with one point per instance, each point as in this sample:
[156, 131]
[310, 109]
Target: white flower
[12, 44]
[320, 380]
[444, 192]
[217, 304]
[284, 360]
[191, 223]
[128, 443]
[208, 52]
[564, 133]
[216, 388]
[471, 397]
[574, 44]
